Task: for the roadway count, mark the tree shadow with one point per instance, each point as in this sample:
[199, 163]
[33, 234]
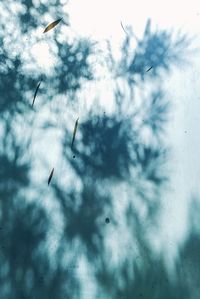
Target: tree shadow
[114, 150]
[114, 182]
[156, 51]
[187, 269]
[28, 267]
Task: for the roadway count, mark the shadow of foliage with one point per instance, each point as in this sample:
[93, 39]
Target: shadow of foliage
[157, 49]
[113, 152]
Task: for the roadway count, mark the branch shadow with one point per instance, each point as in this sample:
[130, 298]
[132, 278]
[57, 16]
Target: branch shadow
[113, 183]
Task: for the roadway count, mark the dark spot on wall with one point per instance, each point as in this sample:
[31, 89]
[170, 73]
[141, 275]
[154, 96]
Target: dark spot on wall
[107, 220]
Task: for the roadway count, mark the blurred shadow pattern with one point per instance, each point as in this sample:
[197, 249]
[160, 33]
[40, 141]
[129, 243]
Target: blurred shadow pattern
[112, 185]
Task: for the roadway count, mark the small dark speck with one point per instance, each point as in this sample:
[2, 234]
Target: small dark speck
[185, 131]
[107, 220]
[74, 156]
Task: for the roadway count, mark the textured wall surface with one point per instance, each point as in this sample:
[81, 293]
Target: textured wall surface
[99, 149]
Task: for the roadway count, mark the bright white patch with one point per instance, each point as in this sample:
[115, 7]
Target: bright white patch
[42, 55]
